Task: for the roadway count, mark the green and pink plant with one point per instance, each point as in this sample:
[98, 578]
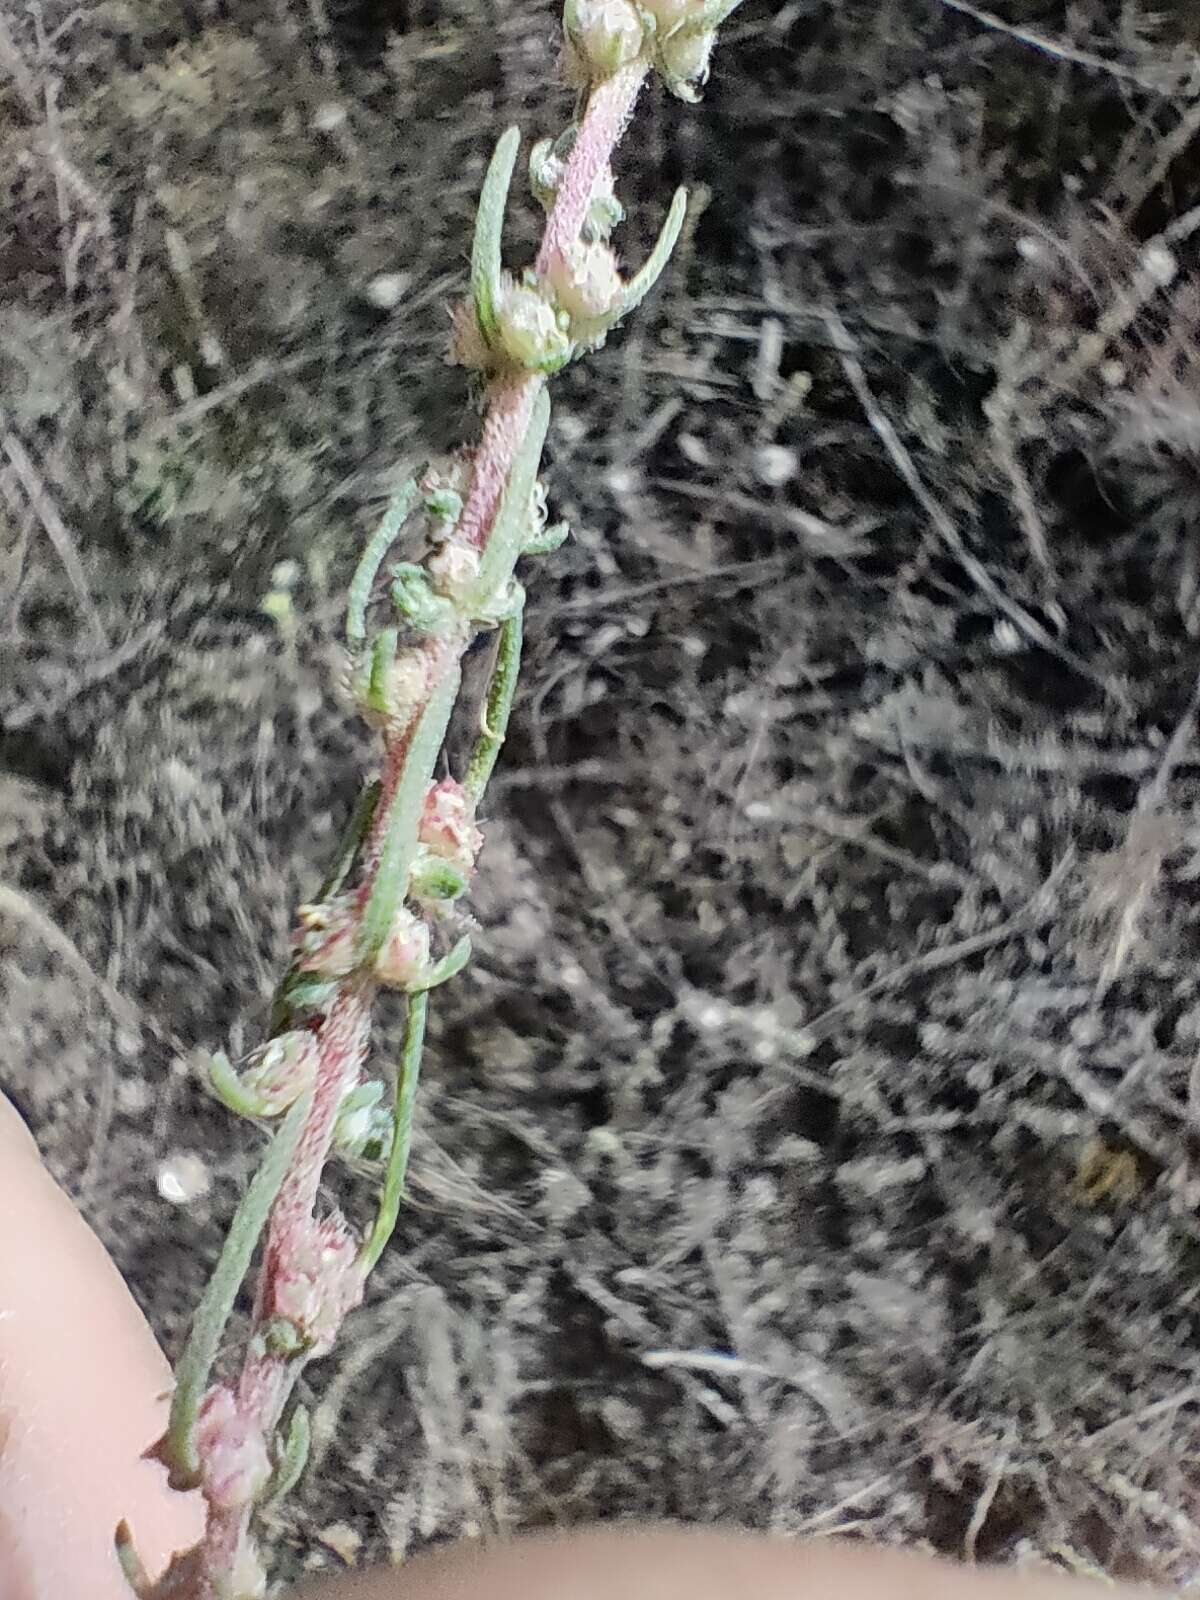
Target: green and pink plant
[389, 915]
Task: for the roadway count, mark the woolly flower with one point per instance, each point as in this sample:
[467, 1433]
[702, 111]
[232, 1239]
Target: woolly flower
[587, 286]
[447, 826]
[444, 487]
[683, 45]
[325, 942]
[284, 1068]
[234, 1462]
[317, 1281]
[453, 569]
[403, 959]
[685, 59]
[407, 683]
[531, 329]
[671, 14]
[530, 332]
[602, 37]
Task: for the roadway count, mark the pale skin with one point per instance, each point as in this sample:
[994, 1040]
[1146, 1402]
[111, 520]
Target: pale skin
[82, 1393]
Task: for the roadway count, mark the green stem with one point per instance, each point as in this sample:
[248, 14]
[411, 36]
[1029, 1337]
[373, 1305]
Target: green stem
[406, 1094]
[497, 707]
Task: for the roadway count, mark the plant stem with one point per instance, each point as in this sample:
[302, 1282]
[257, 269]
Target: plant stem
[509, 408]
[609, 108]
[267, 1378]
[383, 842]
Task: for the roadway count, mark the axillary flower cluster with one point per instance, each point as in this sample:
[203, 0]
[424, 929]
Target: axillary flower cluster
[605, 35]
[539, 320]
[390, 913]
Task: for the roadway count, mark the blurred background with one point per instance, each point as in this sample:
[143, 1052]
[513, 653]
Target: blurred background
[812, 1143]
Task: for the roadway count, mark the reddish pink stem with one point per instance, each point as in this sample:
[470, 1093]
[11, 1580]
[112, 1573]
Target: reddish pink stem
[266, 1380]
[438, 657]
[510, 404]
[343, 1036]
[609, 108]
[510, 399]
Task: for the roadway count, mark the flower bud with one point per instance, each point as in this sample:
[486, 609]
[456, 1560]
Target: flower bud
[444, 487]
[403, 959]
[671, 14]
[304, 993]
[285, 1067]
[545, 173]
[530, 329]
[434, 882]
[235, 1465]
[317, 1282]
[447, 828]
[363, 1127]
[588, 287]
[415, 599]
[453, 569]
[685, 61]
[444, 505]
[603, 35]
[325, 941]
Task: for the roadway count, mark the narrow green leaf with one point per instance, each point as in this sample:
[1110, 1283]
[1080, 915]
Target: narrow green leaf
[180, 1577]
[216, 1303]
[489, 227]
[497, 707]
[445, 969]
[509, 530]
[548, 541]
[380, 542]
[293, 1458]
[390, 882]
[406, 1095]
[226, 1084]
[641, 284]
[383, 654]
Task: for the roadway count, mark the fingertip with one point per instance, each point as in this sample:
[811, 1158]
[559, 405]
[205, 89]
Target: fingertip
[700, 1564]
[83, 1393]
